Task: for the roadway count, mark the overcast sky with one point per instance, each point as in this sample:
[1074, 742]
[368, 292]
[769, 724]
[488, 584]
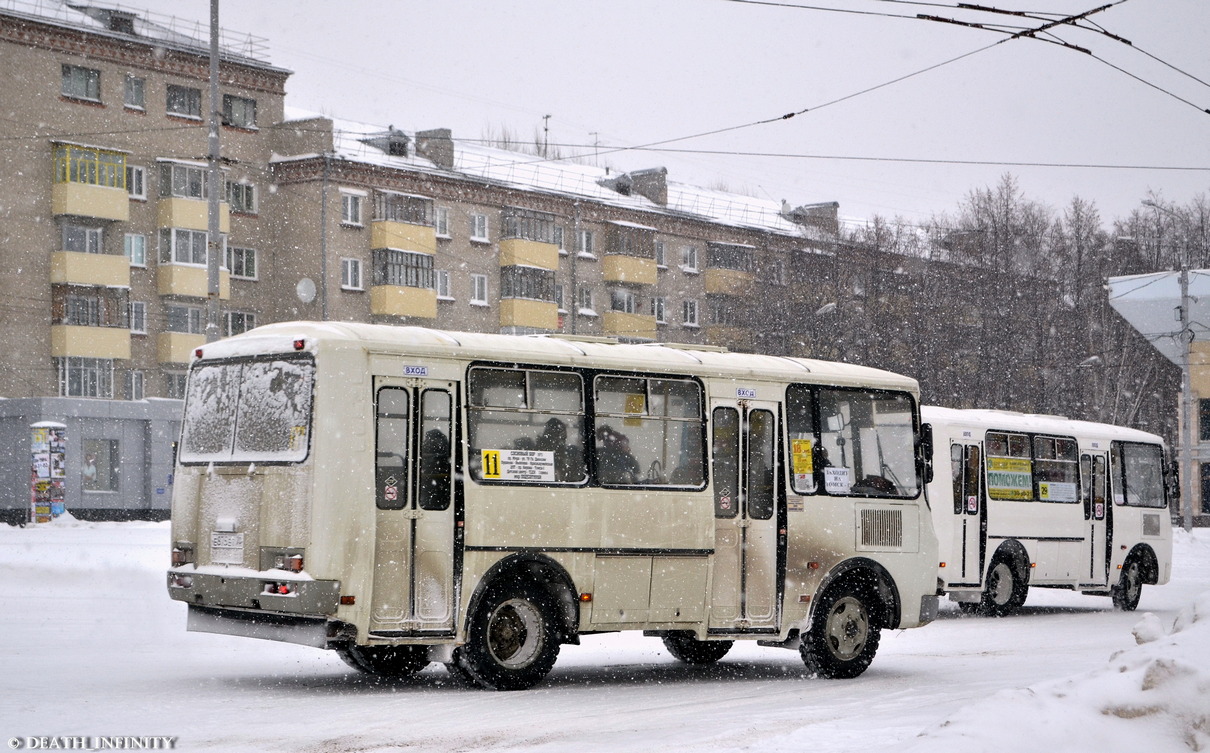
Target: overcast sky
[625, 73]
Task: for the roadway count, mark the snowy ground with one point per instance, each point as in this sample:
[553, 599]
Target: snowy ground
[91, 646]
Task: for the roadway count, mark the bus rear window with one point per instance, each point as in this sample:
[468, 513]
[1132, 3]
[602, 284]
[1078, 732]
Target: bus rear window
[248, 411]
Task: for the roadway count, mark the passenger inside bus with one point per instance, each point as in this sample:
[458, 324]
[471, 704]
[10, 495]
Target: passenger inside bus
[568, 461]
[615, 463]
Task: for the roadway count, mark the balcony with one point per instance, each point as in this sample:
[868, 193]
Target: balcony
[177, 347]
[89, 200]
[524, 312]
[720, 281]
[89, 342]
[629, 269]
[403, 235]
[192, 214]
[399, 300]
[527, 253]
[193, 282]
[632, 326]
[731, 337]
[75, 268]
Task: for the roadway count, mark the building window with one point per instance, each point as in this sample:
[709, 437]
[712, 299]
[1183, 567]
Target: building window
[403, 268]
[479, 228]
[561, 297]
[527, 224]
[723, 313]
[242, 197]
[441, 221]
[350, 274]
[190, 320]
[94, 167]
[729, 256]
[689, 258]
[527, 282]
[622, 299]
[82, 311]
[587, 245]
[181, 246]
[478, 290]
[81, 83]
[135, 385]
[136, 182]
[134, 96]
[1203, 421]
[660, 261]
[238, 322]
[101, 462]
[174, 384]
[85, 377]
[183, 181]
[350, 208]
[777, 273]
[443, 285]
[241, 262]
[689, 313]
[184, 101]
[82, 239]
[398, 207]
[584, 301]
[657, 308]
[239, 111]
[135, 246]
[560, 239]
[138, 317]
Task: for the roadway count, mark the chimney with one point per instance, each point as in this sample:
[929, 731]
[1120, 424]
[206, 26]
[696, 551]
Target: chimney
[436, 145]
[651, 183]
[823, 216]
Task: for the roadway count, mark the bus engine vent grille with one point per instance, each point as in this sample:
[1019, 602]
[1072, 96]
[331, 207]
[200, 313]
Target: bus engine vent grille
[882, 528]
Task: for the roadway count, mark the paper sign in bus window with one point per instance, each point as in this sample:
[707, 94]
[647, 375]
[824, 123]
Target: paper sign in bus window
[801, 459]
[1010, 478]
[836, 480]
[519, 465]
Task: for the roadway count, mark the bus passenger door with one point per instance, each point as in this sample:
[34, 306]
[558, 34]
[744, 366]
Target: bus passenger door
[414, 539]
[1093, 478]
[744, 592]
[966, 464]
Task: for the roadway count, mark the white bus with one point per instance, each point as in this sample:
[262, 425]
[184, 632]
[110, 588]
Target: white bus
[1045, 501]
[405, 495]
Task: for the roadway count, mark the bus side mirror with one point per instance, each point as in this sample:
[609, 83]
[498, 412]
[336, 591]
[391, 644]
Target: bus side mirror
[926, 452]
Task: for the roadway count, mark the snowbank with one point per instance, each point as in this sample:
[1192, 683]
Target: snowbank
[1153, 697]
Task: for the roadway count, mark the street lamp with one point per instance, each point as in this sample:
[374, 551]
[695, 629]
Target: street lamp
[1186, 344]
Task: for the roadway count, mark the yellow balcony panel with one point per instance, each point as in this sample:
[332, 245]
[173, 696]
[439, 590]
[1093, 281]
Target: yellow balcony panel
[177, 347]
[86, 200]
[404, 236]
[192, 214]
[178, 279]
[522, 312]
[521, 252]
[397, 300]
[73, 268]
[729, 337]
[621, 324]
[631, 269]
[89, 342]
[728, 282]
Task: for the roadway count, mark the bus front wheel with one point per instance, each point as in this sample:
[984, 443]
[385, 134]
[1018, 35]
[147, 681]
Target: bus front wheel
[511, 642]
[685, 647]
[385, 661]
[844, 634]
[1130, 587]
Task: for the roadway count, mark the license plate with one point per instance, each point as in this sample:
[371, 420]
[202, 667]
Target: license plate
[227, 548]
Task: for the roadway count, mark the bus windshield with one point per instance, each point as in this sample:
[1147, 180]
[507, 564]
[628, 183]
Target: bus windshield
[248, 411]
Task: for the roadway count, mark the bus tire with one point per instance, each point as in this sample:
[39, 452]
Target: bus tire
[511, 641]
[1006, 589]
[385, 661]
[844, 633]
[1129, 587]
[685, 647]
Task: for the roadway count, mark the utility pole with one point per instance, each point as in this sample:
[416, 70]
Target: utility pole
[214, 180]
[545, 136]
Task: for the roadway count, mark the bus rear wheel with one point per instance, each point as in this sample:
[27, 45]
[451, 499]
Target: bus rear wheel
[844, 634]
[1129, 589]
[1005, 591]
[685, 647]
[511, 641]
[385, 661]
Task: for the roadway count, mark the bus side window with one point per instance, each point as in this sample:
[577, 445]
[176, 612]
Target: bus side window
[391, 449]
[760, 465]
[433, 487]
[725, 456]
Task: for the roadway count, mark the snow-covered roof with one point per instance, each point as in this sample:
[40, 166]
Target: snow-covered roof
[533, 173]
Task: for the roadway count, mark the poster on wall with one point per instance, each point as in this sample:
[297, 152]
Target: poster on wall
[48, 446]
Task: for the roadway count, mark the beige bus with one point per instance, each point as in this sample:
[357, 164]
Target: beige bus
[1046, 502]
[405, 495]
